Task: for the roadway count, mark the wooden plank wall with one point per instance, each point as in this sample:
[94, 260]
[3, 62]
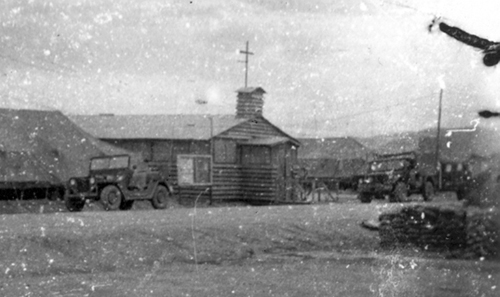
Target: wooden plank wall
[259, 182]
[226, 184]
[256, 183]
[227, 181]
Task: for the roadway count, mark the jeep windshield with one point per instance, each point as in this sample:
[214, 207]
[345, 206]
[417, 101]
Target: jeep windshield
[387, 165]
[109, 163]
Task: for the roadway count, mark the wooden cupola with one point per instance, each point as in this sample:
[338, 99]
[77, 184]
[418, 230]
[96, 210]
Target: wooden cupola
[250, 102]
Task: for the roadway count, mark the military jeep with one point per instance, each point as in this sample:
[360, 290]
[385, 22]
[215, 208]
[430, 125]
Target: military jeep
[396, 176]
[117, 184]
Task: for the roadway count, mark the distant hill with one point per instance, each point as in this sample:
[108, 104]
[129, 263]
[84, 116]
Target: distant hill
[454, 141]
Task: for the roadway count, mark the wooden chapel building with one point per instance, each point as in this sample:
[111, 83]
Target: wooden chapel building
[228, 157]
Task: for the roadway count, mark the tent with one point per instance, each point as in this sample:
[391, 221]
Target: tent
[43, 149]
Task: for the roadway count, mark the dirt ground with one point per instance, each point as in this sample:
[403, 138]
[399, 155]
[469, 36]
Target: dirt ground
[290, 250]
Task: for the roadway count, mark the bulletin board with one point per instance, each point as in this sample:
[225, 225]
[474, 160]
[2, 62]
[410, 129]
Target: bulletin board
[194, 170]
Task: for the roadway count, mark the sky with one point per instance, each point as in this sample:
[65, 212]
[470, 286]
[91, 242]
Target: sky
[330, 68]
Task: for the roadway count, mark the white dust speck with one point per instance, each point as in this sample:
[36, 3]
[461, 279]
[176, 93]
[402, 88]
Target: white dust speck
[46, 52]
[43, 231]
[103, 18]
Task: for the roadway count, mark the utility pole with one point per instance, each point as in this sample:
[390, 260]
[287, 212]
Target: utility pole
[438, 136]
[246, 52]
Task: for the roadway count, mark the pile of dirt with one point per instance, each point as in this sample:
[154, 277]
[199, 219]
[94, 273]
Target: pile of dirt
[463, 232]
[483, 233]
[424, 226]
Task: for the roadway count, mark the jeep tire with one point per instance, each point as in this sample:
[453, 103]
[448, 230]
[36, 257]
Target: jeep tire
[74, 205]
[428, 191]
[399, 194]
[111, 197]
[365, 198]
[161, 198]
[126, 204]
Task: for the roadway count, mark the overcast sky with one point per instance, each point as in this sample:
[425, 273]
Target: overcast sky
[330, 68]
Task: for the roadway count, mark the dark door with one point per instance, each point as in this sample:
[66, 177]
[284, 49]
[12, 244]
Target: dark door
[285, 161]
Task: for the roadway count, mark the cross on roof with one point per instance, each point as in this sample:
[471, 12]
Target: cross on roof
[246, 52]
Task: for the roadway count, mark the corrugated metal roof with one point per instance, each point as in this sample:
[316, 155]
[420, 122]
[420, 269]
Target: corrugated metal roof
[165, 126]
[332, 148]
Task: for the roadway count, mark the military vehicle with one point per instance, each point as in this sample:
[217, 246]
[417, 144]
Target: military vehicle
[400, 175]
[116, 184]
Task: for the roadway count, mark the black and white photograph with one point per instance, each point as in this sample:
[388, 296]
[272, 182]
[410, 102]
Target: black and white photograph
[249, 148]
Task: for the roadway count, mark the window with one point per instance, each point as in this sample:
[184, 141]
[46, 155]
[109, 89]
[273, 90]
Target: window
[256, 155]
[225, 151]
[115, 162]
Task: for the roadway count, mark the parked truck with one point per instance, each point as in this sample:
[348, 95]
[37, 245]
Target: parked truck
[116, 184]
[400, 175]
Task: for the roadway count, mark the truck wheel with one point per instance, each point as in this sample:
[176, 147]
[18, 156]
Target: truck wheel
[428, 191]
[400, 193]
[365, 198]
[74, 205]
[111, 197]
[126, 204]
[161, 198]
[460, 194]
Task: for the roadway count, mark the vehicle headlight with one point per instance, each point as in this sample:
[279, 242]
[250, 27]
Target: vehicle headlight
[366, 180]
[72, 182]
[394, 177]
[120, 178]
[92, 180]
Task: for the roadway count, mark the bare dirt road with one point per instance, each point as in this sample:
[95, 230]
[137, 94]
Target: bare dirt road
[302, 250]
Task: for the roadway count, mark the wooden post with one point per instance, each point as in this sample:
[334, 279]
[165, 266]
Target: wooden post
[212, 152]
[246, 52]
[438, 136]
